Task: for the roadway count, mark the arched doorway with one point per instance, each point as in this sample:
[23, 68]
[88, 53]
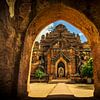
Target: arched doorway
[61, 70]
[39, 22]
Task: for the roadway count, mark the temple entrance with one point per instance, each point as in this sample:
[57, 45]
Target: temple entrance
[61, 70]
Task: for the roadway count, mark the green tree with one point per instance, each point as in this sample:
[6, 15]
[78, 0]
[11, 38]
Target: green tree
[87, 69]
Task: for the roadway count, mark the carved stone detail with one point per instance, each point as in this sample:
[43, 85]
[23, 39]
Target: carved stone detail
[41, 4]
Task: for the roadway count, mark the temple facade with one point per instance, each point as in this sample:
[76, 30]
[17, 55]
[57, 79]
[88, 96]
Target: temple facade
[60, 53]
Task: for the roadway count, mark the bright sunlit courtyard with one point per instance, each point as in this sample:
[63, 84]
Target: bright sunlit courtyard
[45, 89]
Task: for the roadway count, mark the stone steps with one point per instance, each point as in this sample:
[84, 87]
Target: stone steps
[55, 81]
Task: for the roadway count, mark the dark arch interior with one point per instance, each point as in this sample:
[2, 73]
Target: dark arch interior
[62, 66]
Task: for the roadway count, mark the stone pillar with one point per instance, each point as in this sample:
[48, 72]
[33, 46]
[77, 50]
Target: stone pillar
[66, 70]
[96, 62]
[73, 66]
[49, 63]
[72, 53]
[25, 66]
[52, 65]
[70, 68]
[56, 70]
[52, 68]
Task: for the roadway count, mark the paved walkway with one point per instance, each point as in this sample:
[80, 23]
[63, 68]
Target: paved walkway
[45, 89]
[40, 89]
[61, 89]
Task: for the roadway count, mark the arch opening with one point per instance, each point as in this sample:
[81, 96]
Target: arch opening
[86, 26]
[61, 70]
[53, 68]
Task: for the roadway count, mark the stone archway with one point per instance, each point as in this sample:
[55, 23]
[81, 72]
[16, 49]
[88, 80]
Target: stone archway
[65, 65]
[61, 69]
[47, 16]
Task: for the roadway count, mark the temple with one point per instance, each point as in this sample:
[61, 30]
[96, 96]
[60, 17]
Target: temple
[60, 53]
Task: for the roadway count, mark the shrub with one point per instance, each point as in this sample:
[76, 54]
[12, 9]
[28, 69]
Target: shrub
[87, 69]
[39, 73]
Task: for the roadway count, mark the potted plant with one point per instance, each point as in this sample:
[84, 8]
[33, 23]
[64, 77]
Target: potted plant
[87, 70]
[39, 74]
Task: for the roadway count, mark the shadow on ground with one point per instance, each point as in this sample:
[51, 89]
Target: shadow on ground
[54, 97]
[62, 97]
[85, 87]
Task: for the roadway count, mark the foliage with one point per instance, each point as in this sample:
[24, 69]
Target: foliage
[39, 73]
[87, 69]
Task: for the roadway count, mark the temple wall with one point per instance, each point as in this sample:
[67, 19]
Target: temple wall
[7, 51]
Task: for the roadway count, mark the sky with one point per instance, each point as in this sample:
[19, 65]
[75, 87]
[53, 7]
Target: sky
[70, 28]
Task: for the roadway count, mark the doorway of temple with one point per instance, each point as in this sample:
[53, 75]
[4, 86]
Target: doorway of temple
[61, 70]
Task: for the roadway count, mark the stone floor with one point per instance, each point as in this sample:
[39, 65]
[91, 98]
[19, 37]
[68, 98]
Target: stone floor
[58, 91]
[42, 90]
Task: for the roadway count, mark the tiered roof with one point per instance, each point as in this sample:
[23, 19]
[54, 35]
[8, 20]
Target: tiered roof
[62, 36]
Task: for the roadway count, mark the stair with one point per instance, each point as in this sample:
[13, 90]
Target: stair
[55, 81]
